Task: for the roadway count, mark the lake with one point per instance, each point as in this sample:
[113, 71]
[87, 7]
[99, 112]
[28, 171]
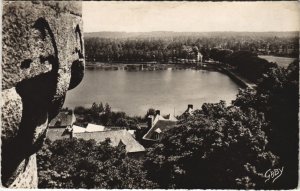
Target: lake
[281, 61]
[166, 90]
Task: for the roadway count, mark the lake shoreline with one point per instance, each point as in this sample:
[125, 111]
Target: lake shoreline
[212, 66]
[138, 66]
[167, 90]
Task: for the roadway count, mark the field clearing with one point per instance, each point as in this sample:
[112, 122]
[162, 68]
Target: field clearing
[281, 61]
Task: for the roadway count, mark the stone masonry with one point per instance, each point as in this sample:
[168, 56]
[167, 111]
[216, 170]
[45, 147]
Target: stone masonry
[42, 58]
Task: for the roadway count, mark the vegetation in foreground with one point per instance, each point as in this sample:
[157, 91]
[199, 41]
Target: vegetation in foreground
[76, 163]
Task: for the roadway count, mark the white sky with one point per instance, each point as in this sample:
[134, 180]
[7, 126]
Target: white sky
[190, 16]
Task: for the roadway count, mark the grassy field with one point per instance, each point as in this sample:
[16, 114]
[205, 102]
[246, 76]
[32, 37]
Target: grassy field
[281, 61]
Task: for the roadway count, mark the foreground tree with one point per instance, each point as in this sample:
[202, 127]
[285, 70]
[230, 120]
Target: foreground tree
[216, 147]
[73, 163]
[277, 97]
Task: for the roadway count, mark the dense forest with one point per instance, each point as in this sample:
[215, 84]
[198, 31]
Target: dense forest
[219, 146]
[166, 47]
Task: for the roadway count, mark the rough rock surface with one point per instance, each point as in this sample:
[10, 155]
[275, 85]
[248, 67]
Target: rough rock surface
[28, 178]
[42, 58]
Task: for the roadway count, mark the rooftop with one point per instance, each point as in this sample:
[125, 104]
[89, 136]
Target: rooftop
[115, 137]
[170, 117]
[78, 129]
[63, 119]
[142, 125]
[160, 126]
[56, 134]
[93, 128]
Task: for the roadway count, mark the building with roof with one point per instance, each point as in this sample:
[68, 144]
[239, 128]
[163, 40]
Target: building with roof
[89, 128]
[93, 128]
[133, 148]
[199, 57]
[57, 126]
[157, 126]
[132, 132]
[78, 129]
[57, 133]
[64, 119]
[189, 109]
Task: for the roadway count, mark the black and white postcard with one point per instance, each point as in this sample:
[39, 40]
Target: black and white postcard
[150, 95]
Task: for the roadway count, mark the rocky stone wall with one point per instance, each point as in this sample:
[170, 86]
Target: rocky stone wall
[42, 58]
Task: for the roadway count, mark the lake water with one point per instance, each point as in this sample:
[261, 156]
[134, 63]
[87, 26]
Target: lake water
[167, 90]
[281, 61]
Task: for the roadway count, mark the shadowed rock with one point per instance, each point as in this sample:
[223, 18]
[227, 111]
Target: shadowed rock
[42, 59]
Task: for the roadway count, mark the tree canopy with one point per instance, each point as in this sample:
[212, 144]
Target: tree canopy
[216, 147]
[169, 46]
[103, 115]
[76, 163]
[277, 97]
[249, 65]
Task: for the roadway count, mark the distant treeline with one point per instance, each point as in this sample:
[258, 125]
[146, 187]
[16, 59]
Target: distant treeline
[169, 46]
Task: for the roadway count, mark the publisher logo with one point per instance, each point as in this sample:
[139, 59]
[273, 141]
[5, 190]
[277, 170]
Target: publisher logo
[273, 174]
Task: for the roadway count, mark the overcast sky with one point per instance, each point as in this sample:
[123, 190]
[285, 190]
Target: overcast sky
[190, 16]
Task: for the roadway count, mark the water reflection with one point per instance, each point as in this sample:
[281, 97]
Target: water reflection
[135, 92]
